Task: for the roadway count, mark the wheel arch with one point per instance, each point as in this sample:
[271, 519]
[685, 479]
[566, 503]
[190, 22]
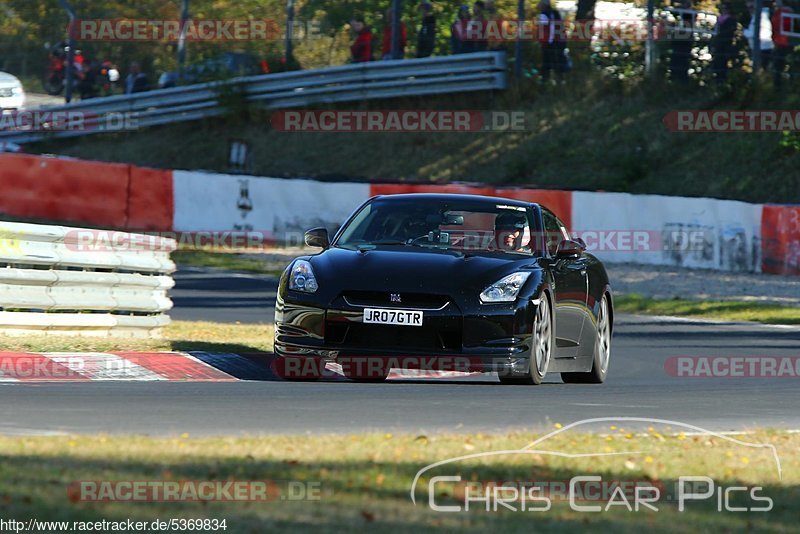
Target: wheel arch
[608, 294]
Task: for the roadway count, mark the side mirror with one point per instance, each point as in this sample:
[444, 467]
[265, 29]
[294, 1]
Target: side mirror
[569, 249]
[317, 237]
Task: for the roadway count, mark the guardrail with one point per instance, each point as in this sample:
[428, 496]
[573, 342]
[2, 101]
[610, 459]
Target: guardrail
[72, 281]
[483, 71]
[699, 22]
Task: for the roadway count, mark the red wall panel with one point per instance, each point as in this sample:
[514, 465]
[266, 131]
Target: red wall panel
[780, 239]
[85, 192]
[63, 190]
[151, 202]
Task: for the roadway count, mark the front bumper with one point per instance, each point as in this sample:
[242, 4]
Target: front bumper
[12, 103]
[453, 337]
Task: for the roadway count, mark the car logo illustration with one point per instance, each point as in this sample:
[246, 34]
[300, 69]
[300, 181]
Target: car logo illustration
[395, 297]
[532, 448]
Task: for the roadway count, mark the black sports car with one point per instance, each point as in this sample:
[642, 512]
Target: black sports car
[446, 282]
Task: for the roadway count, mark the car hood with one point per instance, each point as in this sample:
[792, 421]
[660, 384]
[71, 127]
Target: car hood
[415, 270]
[8, 80]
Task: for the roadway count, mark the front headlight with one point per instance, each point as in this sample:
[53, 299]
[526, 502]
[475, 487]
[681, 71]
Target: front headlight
[302, 277]
[17, 91]
[506, 289]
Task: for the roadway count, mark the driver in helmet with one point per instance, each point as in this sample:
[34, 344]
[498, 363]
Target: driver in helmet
[511, 232]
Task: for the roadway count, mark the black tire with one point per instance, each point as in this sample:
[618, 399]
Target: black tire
[514, 380]
[601, 351]
[53, 85]
[541, 349]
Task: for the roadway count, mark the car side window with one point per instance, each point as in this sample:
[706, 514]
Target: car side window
[552, 230]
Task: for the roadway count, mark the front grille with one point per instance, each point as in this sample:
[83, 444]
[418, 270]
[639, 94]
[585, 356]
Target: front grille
[335, 332]
[422, 301]
[380, 337]
[5, 93]
[386, 337]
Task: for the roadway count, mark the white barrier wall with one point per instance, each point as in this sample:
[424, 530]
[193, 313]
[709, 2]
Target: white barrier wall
[66, 281]
[699, 233]
[660, 230]
[275, 206]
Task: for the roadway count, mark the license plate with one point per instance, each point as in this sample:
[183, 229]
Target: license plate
[395, 317]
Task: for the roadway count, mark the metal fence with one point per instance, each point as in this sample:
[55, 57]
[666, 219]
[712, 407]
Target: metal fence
[68, 281]
[483, 71]
[792, 20]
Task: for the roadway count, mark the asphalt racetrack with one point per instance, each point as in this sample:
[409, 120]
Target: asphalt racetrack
[638, 386]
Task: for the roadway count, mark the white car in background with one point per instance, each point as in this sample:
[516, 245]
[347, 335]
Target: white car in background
[12, 96]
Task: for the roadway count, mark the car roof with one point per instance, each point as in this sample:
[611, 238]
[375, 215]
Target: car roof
[456, 197]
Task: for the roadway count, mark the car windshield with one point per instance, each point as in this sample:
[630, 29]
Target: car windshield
[461, 225]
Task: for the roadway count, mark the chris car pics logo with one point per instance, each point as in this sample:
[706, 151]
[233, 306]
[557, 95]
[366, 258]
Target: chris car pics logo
[450, 490]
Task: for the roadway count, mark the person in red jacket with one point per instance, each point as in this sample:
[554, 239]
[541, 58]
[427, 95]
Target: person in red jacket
[361, 49]
[387, 38]
[783, 45]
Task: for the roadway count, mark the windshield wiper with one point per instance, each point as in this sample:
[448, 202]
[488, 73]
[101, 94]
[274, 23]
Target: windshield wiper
[388, 242]
[372, 244]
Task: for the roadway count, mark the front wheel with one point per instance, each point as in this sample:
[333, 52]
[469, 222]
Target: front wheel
[602, 350]
[541, 347]
[53, 84]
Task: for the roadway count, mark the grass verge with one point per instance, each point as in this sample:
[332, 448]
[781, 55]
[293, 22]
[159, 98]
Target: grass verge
[363, 481]
[179, 335]
[230, 261]
[709, 309]
[593, 133]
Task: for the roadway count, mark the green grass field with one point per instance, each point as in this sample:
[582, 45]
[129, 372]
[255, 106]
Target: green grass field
[230, 261]
[364, 481]
[179, 335]
[709, 309]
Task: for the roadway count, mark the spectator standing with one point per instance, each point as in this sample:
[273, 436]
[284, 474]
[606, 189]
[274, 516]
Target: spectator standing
[682, 42]
[496, 27]
[426, 39]
[765, 31]
[361, 49]
[551, 40]
[476, 33]
[458, 32]
[136, 82]
[387, 37]
[783, 45]
[722, 42]
[87, 80]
